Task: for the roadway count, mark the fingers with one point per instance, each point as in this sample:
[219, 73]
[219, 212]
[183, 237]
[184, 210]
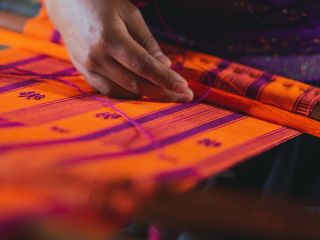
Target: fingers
[136, 84]
[124, 60]
[102, 83]
[139, 30]
[135, 58]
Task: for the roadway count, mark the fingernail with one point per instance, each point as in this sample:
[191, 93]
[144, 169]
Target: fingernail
[180, 87]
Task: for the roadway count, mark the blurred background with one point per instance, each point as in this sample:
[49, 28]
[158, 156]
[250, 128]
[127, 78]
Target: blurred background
[27, 8]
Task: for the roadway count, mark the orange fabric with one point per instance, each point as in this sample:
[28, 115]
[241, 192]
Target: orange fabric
[51, 121]
[275, 93]
[25, 42]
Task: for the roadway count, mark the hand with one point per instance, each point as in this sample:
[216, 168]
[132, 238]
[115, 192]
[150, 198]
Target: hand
[111, 45]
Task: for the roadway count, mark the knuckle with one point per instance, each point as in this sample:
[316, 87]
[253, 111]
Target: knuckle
[111, 39]
[110, 43]
[141, 64]
[91, 62]
[149, 42]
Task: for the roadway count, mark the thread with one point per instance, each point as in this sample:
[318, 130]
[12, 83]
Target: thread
[104, 101]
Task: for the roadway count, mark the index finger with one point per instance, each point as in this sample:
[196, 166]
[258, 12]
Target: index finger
[134, 57]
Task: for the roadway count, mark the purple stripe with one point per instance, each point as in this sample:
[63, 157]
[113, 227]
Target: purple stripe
[11, 124]
[66, 72]
[62, 73]
[103, 132]
[18, 85]
[17, 64]
[209, 77]
[56, 37]
[14, 86]
[217, 123]
[23, 62]
[254, 89]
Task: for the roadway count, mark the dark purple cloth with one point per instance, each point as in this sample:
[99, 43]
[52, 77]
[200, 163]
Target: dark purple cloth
[282, 37]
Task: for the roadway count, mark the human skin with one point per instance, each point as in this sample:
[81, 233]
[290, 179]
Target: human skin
[111, 45]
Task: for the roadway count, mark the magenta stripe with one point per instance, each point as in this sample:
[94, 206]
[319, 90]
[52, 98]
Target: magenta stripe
[23, 62]
[101, 133]
[217, 123]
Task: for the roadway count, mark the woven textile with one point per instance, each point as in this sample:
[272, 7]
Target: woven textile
[51, 120]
